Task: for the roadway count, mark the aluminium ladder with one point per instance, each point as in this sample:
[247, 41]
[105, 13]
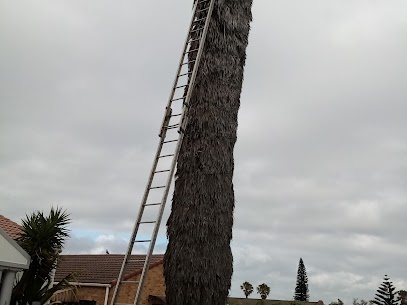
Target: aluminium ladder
[171, 135]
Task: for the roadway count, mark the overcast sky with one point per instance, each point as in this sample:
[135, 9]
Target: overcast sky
[321, 157]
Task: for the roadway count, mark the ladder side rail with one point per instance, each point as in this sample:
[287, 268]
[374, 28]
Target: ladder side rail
[170, 99]
[184, 117]
[154, 167]
[137, 223]
[163, 132]
[184, 120]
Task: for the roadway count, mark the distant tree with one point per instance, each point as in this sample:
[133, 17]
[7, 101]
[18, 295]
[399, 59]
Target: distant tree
[247, 288]
[301, 288]
[337, 303]
[43, 238]
[386, 294]
[263, 290]
[361, 302]
[403, 297]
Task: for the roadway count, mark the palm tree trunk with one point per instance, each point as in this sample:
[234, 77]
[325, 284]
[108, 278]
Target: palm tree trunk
[198, 262]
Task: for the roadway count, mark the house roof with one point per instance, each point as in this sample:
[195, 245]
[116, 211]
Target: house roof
[10, 227]
[101, 268]
[154, 299]
[244, 301]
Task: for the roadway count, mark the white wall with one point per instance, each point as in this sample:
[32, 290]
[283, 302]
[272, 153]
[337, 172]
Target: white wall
[10, 254]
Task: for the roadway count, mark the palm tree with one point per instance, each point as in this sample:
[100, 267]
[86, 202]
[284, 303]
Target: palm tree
[198, 262]
[263, 290]
[247, 288]
[42, 238]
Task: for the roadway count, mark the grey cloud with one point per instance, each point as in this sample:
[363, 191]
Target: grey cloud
[321, 155]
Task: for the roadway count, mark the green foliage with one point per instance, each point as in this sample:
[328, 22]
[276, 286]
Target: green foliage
[263, 290]
[247, 288]
[43, 239]
[361, 302]
[301, 288]
[403, 297]
[386, 294]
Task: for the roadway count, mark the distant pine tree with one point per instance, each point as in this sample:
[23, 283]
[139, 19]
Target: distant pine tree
[301, 289]
[386, 294]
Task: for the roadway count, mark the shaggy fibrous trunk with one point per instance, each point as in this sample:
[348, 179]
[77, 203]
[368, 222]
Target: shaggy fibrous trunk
[198, 262]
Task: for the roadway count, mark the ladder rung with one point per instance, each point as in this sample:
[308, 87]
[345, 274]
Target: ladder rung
[199, 20]
[182, 86]
[142, 241]
[174, 115]
[166, 156]
[172, 126]
[151, 204]
[197, 30]
[178, 99]
[188, 62]
[142, 222]
[170, 141]
[193, 40]
[157, 187]
[130, 282]
[202, 10]
[185, 74]
[190, 51]
[162, 171]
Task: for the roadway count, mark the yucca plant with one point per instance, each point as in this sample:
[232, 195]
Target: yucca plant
[42, 238]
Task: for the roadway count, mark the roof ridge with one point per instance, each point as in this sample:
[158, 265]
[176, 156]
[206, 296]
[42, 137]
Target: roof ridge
[104, 254]
[8, 219]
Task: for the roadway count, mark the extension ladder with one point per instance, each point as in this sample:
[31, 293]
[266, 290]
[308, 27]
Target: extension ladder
[171, 135]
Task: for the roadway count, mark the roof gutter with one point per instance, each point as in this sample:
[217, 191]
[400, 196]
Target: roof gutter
[107, 286]
[89, 284]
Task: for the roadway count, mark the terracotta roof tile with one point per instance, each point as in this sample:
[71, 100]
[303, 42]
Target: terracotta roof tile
[100, 268]
[10, 227]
